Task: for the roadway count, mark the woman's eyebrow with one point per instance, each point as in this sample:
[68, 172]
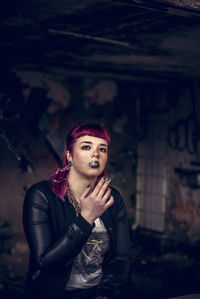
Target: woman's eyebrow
[89, 142]
[86, 142]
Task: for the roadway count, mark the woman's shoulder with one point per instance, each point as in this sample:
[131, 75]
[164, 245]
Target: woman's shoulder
[40, 191]
[119, 206]
[115, 192]
[117, 196]
[44, 184]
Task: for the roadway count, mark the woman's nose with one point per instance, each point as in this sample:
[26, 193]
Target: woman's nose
[95, 153]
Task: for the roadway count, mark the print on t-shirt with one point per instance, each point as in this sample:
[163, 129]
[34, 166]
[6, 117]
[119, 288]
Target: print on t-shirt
[90, 258]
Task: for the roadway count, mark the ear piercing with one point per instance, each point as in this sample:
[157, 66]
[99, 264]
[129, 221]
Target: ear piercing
[67, 167]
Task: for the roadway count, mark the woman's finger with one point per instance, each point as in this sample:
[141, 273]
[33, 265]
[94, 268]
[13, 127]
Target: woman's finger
[106, 195]
[86, 191]
[103, 186]
[98, 187]
[109, 202]
[103, 189]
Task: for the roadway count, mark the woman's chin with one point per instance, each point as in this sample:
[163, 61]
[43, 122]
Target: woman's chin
[94, 173]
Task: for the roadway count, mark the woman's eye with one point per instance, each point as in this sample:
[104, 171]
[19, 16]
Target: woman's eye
[102, 149]
[85, 147]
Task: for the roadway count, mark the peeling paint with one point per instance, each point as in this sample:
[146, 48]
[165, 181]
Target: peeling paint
[102, 93]
[119, 123]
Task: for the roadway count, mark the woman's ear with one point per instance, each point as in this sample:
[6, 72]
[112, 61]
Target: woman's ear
[69, 157]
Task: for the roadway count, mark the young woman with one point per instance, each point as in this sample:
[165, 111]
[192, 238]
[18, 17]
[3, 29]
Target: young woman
[76, 225]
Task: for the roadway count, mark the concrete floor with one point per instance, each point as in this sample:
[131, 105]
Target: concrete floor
[156, 273]
[163, 269]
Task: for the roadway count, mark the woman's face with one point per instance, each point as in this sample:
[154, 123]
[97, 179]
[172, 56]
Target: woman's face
[89, 156]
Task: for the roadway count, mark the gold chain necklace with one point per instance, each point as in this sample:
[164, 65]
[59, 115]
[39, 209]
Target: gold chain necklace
[74, 202]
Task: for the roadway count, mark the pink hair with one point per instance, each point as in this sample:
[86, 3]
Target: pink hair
[58, 178]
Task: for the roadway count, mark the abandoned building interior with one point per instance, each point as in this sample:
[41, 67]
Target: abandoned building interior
[134, 67]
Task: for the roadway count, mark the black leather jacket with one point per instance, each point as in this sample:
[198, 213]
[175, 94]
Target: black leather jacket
[55, 236]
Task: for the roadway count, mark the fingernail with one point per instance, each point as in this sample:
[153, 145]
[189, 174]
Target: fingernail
[107, 178]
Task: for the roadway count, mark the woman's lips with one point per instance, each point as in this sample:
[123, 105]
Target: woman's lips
[94, 164]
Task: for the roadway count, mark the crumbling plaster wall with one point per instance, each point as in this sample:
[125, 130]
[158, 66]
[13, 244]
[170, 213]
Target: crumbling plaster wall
[183, 193]
[51, 104]
[168, 172]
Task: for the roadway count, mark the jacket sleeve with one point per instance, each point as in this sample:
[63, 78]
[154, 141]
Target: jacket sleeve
[116, 271]
[44, 249]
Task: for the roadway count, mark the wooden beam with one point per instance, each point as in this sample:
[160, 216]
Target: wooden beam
[177, 7]
[90, 37]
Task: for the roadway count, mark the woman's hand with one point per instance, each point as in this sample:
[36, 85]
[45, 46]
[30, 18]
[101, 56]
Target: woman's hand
[94, 204]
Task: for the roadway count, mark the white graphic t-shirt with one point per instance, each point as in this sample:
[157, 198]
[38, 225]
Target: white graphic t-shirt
[86, 270]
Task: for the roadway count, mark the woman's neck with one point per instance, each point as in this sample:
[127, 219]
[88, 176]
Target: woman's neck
[78, 184]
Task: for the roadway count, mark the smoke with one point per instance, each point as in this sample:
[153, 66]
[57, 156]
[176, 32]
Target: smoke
[11, 148]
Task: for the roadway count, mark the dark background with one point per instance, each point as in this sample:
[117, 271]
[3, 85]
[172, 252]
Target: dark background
[134, 67]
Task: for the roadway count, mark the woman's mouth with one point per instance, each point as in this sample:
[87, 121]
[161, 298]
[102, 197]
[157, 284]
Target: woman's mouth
[94, 164]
